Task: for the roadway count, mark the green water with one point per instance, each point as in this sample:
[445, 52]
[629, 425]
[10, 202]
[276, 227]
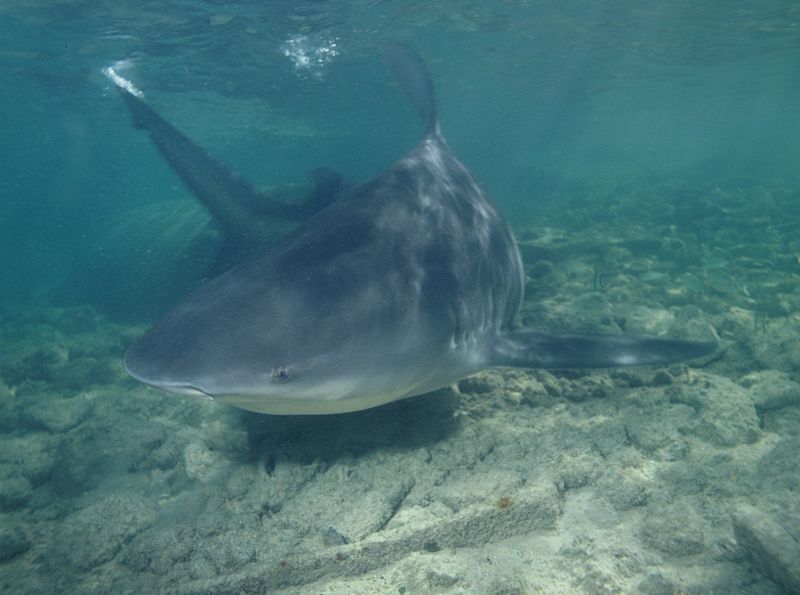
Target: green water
[534, 97]
[646, 155]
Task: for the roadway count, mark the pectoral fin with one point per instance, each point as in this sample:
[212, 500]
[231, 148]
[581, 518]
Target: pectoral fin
[531, 349]
[236, 206]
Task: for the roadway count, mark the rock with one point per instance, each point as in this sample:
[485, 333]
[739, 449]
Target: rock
[462, 490]
[372, 510]
[482, 383]
[427, 574]
[676, 530]
[779, 469]
[623, 492]
[654, 432]
[662, 378]
[32, 456]
[94, 535]
[59, 415]
[13, 542]
[771, 390]
[575, 469]
[776, 345]
[654, 583]
[86, 371]
[771, 549]
[726, 413]
[43, 364]
[159, 550]
[331, 536]
[201, 463]
[531, 509]
[15, 492]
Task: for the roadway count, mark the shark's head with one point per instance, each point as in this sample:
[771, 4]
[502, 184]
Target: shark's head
[258, 375]
[263, 377]
[289, 340]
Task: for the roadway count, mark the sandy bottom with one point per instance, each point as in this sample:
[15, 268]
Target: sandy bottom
[654, 480]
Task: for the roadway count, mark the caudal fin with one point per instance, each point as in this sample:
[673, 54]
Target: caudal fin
[530, 349]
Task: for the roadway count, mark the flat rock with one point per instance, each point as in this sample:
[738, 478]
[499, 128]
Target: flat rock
[674, 530]
[94, 535]
[773, 551]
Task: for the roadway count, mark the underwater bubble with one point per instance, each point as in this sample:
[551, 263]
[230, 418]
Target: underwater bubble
[112, 73]
[310, 54]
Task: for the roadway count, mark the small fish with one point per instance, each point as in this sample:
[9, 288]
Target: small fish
[599, 280]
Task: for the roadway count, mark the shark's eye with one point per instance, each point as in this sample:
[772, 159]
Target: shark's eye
[280, 374]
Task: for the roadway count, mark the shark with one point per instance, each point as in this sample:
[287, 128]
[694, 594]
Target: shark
[388, 289]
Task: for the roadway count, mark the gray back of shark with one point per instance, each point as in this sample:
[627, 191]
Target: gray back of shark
[407, 284]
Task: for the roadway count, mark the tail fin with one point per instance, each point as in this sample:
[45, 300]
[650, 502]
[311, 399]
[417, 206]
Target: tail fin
[411, 74]
[530, 349]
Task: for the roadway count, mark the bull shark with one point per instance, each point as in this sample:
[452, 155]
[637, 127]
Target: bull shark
[397, 287]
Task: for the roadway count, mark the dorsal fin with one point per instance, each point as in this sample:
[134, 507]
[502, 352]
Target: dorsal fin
[411, 74]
